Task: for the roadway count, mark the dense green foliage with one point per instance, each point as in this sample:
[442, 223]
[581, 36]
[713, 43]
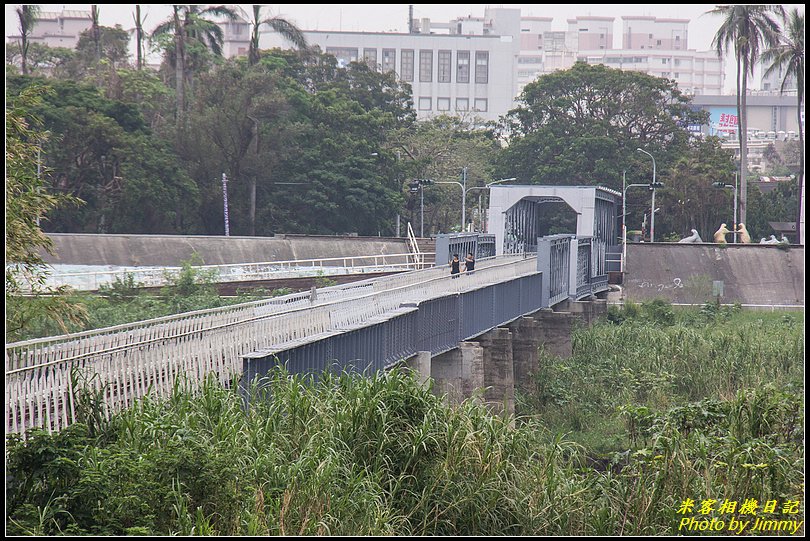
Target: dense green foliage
[309, 147]
[664, 407]
[125, 301]
[27, 203]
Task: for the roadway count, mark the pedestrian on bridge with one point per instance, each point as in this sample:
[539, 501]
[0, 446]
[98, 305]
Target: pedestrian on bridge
[455, 266]
[469, 263]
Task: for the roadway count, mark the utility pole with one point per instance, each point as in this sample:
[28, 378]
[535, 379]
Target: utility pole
[225, 204]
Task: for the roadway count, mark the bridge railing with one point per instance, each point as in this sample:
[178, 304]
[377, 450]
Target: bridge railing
[435, 325]
[126, 361]
[156, 277]
[554, 261]
[584, 267]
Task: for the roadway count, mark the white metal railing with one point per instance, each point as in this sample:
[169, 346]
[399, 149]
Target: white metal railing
[130, 359]
[418, 256]
[156, 277]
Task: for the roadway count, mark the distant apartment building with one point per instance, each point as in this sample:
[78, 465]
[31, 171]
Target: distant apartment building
[58, 29]
[236, 34]
[482, 64]
[468, 68]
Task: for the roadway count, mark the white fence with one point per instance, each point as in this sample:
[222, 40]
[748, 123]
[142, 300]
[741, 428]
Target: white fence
[131, 359]
[91, 280]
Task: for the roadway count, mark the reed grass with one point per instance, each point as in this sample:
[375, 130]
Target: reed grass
[643, 416]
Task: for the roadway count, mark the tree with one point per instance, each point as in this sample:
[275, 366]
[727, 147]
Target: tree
[745, 30]
[27, 16]
[284, 27]
[189, 27]
[27, 203]
[689, 199]
[787, 57]
[41, 59]
[440, 149]
[99, 53]
[235, 106]
[102, 151]
[138, 37]
[583, 125]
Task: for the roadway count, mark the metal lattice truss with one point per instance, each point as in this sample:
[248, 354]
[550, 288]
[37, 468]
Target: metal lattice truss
[514, 213]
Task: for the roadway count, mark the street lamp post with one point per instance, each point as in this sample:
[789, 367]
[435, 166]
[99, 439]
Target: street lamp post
[653, 186]
[419, 184]
[724, 185]
[486, 187]
[624, 213]
[463, 195]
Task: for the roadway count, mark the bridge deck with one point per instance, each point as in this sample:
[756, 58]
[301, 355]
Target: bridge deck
[364, 325]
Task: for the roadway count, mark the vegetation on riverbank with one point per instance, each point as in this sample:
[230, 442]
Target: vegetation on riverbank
[646, 414]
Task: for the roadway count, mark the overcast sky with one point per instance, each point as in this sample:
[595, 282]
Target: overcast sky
[394, 17]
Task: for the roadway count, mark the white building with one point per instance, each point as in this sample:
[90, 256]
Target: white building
[482, 64]
[58, 29]
[469, 68]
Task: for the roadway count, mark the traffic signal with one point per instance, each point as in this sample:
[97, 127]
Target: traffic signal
[654, 185]
[415, 184]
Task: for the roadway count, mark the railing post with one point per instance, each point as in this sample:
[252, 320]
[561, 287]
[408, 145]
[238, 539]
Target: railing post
[573, 268]
[544, 267]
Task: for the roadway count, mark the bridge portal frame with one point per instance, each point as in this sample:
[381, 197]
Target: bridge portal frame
[515, 207]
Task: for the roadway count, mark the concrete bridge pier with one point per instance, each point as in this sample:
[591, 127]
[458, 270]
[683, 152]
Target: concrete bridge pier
[504, 358]
[498, 370]
[587, 311]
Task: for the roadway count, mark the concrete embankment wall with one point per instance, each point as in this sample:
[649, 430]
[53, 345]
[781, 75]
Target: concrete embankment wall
[173, 250]
[684, 273]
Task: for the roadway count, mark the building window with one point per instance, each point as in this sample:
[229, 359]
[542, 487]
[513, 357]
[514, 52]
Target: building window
[389, 60]
[463, 60]
[481, 67]
[425, 66]
[425, 104]
[462, 104]
[443, 104]
[407, 65]
[481, 105]
[370, 57]
[344, 55]
[445, 67]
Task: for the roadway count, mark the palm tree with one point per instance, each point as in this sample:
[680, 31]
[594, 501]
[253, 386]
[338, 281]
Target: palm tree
[96, 31]
[188, 24]
[27, 15]
[745, 29]
[284, 27]
[787, 57]
[139, 36]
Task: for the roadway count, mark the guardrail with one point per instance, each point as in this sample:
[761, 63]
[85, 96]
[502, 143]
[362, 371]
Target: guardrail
[128, 361]
[131, 359]
[156, 277]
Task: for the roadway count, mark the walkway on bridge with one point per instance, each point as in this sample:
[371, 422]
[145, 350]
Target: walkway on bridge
[387, 319]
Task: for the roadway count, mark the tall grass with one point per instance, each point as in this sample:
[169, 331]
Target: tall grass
[347, 455]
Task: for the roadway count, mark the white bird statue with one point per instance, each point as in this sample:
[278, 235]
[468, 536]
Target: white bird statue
[745, 238]
[763, 241]
[772, 240]
[784, 240]
[691, 239]
[720, 234]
